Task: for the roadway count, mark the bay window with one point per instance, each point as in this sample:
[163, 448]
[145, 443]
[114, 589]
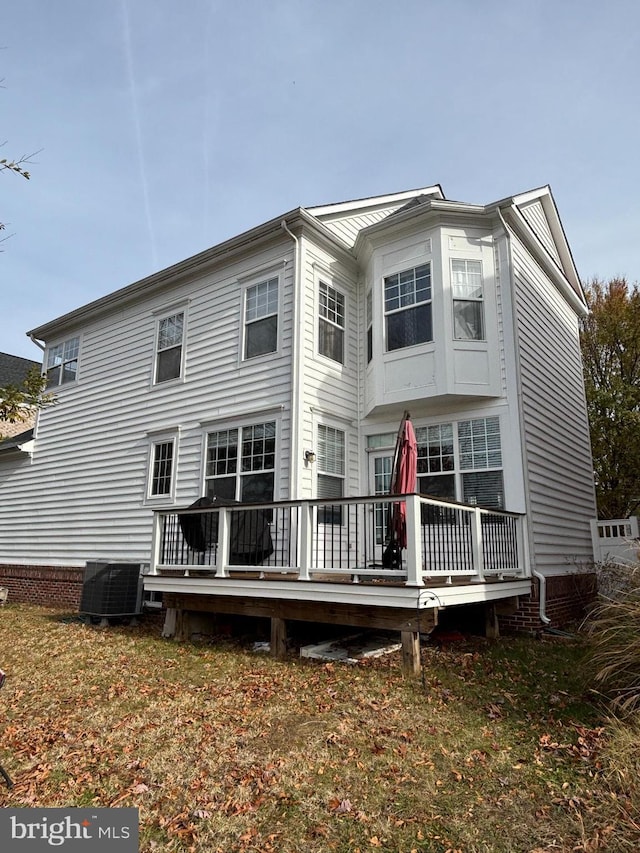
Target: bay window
[468, 307]
[407, 306]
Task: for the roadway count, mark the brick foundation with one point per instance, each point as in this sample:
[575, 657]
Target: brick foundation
[50, 586]
[568, 599]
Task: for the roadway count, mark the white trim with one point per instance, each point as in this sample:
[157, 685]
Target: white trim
[373, 201]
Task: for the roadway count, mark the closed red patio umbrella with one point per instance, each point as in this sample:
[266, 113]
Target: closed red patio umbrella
[404, 480]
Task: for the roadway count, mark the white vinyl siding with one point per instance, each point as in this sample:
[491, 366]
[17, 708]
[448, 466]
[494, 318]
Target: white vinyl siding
[534, 213]
[94, 448]
[556, 433]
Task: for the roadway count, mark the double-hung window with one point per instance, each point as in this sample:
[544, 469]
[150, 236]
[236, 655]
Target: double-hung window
[462, 461]
[240, 463]
[331, 323]
[369, 326]
[331, 470]
[261, 318]
[407, 306]
[162, 468]
[169, 347]
[468, 307]
[62, 362]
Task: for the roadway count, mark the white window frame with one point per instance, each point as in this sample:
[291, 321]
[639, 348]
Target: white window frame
[162, 316]
[238, 474]
[460, 298]
[265, 313]
[325, 317]
[59, 356]
[156, 441]
[331, 471]
[483, 453]
[390, 312]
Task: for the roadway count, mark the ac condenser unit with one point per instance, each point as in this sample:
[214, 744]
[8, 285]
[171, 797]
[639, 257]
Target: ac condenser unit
[112, 589]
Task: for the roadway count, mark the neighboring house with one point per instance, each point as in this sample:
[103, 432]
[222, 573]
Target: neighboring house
[13, 370]
[276, 367]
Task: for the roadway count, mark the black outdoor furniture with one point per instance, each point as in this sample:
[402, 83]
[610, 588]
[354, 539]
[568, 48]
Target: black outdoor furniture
[250, 542]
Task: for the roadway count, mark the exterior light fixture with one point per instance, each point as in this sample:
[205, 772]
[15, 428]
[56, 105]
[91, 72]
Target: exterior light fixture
[309, 456]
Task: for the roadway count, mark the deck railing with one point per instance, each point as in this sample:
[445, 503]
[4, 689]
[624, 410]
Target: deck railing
[340, 540]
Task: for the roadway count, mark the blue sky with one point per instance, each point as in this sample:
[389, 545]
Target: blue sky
[164, 128]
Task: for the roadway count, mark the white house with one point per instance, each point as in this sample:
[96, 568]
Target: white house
[275, 367]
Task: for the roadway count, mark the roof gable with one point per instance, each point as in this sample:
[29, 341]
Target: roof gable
[346, 219]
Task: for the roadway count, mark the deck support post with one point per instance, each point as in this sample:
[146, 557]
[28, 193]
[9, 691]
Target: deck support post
[492, 628]
[410, 652]
[278, 638]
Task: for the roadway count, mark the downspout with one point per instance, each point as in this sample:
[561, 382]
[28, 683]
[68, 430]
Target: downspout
[35, 341]
[542, 581]
[296, 353]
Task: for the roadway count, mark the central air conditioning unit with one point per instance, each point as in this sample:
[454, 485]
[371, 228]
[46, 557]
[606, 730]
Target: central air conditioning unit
[112, 590]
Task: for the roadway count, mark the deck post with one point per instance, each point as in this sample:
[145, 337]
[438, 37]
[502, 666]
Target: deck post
[414, 546]
[410, 652]
[223, 543]
[305, 541]
[492, 628]
[278, 638]
[156, 538]
[476, 543]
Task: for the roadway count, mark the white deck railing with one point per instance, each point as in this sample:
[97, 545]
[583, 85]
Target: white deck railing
[340, 540]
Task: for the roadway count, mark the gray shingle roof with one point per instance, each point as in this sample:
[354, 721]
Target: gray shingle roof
[13, 368]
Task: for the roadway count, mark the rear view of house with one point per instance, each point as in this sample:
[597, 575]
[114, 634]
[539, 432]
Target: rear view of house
[274, 369]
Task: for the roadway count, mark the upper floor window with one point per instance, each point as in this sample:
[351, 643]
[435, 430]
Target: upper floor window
[169, 347]
[162, 464]
[241, 462]
[331, 323]
[62, 362]
[331, 470]
[468, 309]
[261, 318]
[369, 326]
[407, 306]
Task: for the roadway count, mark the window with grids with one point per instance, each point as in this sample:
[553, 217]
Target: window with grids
[407, 306]
[330, 461]
[461, 461]
[468, 307]
[62, 362]
[480, 452]
[161, 481]
[331, 323]
[240, 463]
[169, 348]
[261, 319]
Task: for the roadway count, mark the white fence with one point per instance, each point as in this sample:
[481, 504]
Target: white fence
[616, 540]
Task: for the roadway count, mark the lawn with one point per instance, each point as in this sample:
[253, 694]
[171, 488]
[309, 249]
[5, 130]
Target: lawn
[497, 748]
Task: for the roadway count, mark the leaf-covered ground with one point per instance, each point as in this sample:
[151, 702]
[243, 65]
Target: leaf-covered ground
[222, 749]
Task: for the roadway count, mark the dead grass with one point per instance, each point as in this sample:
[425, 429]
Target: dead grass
[221, 749]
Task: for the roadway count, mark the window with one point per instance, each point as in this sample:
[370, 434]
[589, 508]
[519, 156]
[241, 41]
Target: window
[462, 461]
[62, 363]
[240, 463]
[330, 465]
[261, 319]
[407, 305]
[331, 323]
[468, 310]
[161, 479]
[169, 348]
[480, 451]
[369, 326]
